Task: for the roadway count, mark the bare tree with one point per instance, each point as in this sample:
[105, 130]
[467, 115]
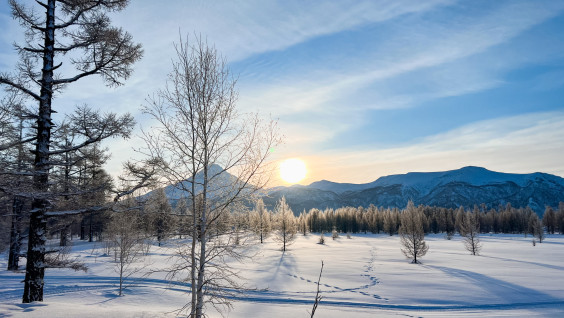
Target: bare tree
[470, 231]
[14, 163]
[318, 297]
[66, 26]
[286, 228]
[549, 220]
[159, 214]
[126, 238]
[210, 154]
[334, 233]
[303, 224]
[412, 234]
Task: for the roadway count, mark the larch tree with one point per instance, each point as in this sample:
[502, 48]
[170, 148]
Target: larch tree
[159, 214]
[302, 223]
[390, 222]
[260, 221]
[15, 161]
[77, 32]
[549, 220]
[560, 217]
[412, 234]
[212, 155]
[535, 227]
[470, 231]
[286, 227]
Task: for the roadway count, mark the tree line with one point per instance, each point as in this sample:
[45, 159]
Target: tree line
[504, 219]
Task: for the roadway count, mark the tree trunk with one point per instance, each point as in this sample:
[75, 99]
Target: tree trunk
[82, 230]
[64, 234]
[203, 256]
[90, 231]
[35, 268]
[15, 235]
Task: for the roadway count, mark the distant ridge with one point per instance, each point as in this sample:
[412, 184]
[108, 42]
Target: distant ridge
[462, 187]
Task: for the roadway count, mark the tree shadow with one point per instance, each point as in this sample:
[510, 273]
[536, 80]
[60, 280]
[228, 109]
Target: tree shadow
[555, 267]
[509, 292]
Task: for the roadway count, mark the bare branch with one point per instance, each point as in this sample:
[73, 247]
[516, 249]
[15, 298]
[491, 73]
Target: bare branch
[5, 80]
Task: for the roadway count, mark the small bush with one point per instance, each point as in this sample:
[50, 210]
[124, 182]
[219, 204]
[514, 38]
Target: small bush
[322, 239]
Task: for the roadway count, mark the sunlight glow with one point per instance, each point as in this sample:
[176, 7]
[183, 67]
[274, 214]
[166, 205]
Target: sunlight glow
[293, 170]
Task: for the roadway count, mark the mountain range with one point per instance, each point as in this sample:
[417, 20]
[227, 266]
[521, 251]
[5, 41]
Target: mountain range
[450, 189]
[462, 187]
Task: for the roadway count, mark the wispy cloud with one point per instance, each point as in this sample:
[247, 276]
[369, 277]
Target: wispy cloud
[324, 68]
[417, 45]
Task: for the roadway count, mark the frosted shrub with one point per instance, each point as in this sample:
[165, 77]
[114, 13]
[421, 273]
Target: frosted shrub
[322, 239]
[334, 234]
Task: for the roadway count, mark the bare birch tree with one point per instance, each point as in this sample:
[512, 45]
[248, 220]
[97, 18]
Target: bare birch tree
[211, 154]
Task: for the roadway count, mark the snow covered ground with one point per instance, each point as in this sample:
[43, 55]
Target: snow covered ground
[365, 276]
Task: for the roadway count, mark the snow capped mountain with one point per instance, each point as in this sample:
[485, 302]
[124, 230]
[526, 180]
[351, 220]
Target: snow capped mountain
[221, 184]
[339, 187]
[425, 182]
[219, 180]
[463, 187]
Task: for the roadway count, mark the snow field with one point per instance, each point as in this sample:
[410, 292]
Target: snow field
[363, 277]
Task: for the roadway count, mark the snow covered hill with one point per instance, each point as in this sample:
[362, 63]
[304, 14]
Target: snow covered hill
[463, 187]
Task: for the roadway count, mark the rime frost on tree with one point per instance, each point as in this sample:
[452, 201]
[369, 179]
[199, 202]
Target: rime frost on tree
[286, 227]
[104, 50]
[412, 234]
[260, 221]
[470, 231]
[198, 139]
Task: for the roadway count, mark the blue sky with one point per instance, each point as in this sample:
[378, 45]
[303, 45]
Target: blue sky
[366, 88]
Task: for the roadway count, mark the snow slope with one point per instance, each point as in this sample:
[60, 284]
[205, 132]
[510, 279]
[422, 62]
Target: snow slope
[365, 276]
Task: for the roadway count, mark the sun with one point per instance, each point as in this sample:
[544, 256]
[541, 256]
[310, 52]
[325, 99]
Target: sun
[293, 170]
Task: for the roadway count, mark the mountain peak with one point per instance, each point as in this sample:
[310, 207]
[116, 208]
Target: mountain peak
[474, 168]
